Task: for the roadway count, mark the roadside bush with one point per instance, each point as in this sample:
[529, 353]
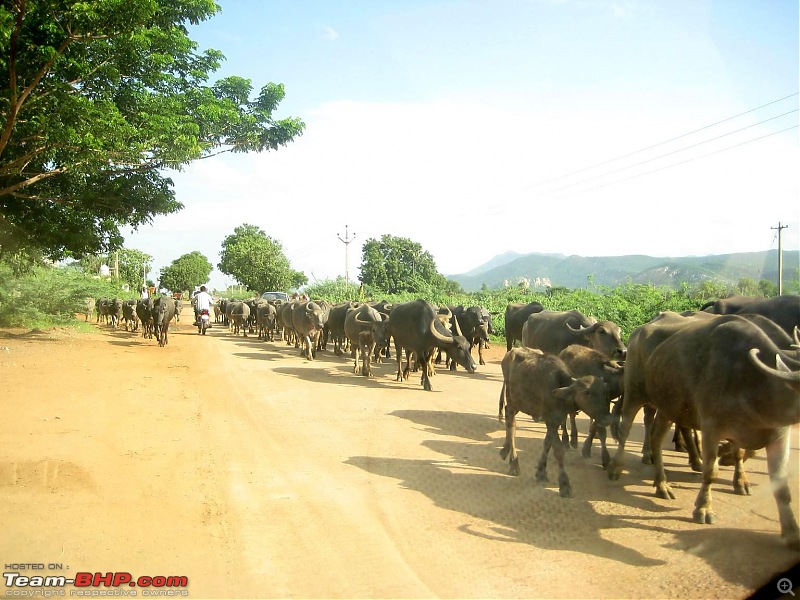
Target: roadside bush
[48, 296]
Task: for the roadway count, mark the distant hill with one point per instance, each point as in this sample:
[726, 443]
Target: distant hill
[573, 271]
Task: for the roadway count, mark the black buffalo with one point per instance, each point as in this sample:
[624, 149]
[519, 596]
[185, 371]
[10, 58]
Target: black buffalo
[415, 327]
[728, 377]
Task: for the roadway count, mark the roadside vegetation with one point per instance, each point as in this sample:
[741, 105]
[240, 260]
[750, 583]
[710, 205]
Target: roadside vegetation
[48, 295]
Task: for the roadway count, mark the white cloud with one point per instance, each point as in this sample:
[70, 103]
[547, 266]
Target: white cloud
[458, 178]
[329, 33]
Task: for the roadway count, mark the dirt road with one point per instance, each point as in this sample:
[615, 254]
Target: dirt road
[258, 474]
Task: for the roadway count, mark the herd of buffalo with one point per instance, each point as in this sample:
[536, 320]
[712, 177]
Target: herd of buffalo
[730, 371]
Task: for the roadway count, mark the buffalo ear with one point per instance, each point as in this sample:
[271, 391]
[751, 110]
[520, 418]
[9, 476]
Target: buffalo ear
[562, 393]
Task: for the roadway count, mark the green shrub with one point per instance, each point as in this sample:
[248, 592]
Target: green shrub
[49, 296]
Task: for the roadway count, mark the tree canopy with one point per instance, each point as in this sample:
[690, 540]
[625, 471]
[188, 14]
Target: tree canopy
[396, 264]
[185, 272]
[97, 98]
[256, 260]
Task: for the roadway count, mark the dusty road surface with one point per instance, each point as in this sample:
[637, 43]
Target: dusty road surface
[255, 473]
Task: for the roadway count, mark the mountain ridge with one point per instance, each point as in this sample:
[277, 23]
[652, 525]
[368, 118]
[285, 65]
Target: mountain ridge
[558, 270]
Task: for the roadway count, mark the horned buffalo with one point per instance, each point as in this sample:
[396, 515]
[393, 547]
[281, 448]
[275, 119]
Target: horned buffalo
[115, 312]
[129, 315]
[308, 320]
[582, 361]
[516, 316]
[144, 310]
[783, 310]
[473, 325]
[335, 325]
[416, 328]
[238, 316]
[285, 319]
[163, 313]
[265, 321]
[541, 386]
[728, 378]
[358, 327]
[552, 331]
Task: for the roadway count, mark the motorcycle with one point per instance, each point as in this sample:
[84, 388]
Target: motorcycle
[202, 322]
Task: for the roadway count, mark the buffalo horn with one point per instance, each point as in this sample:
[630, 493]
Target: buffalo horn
[781, 372]
[590, 329]
[437, 335]
[458, 329]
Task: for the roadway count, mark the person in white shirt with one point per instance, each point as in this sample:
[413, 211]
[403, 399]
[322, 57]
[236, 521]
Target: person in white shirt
[202, 301]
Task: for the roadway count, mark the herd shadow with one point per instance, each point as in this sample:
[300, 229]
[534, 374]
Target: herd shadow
[473, 481]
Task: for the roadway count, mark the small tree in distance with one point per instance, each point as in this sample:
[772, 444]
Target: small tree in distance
[185, 272]
[256, 260]
[394, 264]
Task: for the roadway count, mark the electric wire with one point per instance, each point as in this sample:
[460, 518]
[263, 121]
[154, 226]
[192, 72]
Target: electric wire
[669, 153]
[660, 143]
[678, 163]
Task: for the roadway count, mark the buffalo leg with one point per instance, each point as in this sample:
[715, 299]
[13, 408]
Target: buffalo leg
[601, 434]
[629, 409]
[661, 425]
[777, 460]
[509, 447]
[702, 505]
[649, 416]
[573, 431]
[355, 359]
[550, 438]
[605, 457]
[586, 449]
[425, 368]
[741, 485]
[480, 353]
[559, 450]
[691, 444]
[399, 357]
[502, 402]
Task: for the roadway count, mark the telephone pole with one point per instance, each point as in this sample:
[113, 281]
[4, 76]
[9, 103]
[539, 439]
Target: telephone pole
[780, 257]
[346, 241]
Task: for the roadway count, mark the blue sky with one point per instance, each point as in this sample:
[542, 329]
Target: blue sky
[470, 127]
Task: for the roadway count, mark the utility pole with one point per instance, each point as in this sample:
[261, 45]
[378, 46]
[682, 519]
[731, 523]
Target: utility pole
[780, 257]
[346, 241]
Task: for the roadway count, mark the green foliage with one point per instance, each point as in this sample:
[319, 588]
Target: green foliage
[133, 264]
[256, 260]
[396, 265]
[336, 290]
[48, 295]
[97, 98]
[185, 272]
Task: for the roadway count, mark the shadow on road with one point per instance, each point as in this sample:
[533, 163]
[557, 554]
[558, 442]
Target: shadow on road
[473, 481]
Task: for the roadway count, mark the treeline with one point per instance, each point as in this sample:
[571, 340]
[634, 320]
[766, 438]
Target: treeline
[50, 295]
[628, 305]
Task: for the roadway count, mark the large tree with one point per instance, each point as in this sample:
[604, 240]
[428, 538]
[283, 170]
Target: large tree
[185, 272]
[256, 260]
[97, 98]
[396, 264]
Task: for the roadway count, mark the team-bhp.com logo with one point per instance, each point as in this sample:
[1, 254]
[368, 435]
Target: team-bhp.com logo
[50, 585]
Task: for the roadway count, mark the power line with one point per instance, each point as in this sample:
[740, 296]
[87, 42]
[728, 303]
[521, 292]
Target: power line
[677, 164]
[669, 153]
[659, 143]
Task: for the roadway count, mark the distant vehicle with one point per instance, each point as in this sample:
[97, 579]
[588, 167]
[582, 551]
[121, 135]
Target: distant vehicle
[270, 296]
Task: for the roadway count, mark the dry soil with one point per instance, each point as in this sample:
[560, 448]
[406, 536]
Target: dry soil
[256, 473]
